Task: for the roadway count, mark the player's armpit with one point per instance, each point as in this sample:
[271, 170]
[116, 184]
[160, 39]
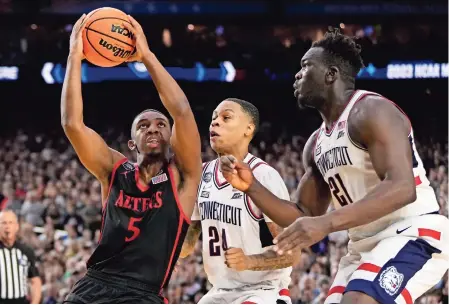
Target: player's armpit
[378, 125]
[93, 152]
[191, 239]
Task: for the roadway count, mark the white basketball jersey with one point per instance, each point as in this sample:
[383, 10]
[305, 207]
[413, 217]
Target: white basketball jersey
[349, 172]
[230, 219]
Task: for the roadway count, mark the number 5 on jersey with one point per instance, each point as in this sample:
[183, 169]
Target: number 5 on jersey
[132, 228]
[214, 241]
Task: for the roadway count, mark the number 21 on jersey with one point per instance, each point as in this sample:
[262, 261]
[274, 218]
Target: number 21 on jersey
[214, 241]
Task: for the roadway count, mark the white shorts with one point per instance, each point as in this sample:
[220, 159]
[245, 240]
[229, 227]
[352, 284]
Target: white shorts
[245, 296]
[397, 265]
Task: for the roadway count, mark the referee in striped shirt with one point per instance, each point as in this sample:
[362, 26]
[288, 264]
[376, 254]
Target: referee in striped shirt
[18, 270]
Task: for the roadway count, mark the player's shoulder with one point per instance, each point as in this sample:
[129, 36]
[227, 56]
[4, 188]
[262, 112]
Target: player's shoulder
[260, 167]
[27, 250]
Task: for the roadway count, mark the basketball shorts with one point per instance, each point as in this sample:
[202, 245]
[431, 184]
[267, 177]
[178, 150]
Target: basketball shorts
[97, 288]
[397, 265]
[248, 295]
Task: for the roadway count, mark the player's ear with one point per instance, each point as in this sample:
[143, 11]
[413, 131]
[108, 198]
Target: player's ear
[250, 129]
[132, 144]
[332, 74]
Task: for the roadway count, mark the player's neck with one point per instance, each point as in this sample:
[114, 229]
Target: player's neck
[148, 168]
[334, 106]
[239, 153]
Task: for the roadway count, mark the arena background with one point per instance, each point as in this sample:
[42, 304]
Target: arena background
[215, 49]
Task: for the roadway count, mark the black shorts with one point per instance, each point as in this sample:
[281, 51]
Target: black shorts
[94, 288]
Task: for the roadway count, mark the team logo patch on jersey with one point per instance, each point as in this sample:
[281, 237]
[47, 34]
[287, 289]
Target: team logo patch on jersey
[237, 196]
[205, 194]
[128, 166]
[391, 280]
[207, 177]
[159, 179]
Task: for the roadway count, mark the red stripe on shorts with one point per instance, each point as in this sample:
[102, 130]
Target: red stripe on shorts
[248, 302]
[369, 267]
[336, 289]
[407, 297]
[430, 233]
[284, 292]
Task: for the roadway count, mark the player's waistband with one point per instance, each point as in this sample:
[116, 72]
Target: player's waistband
[120, 281]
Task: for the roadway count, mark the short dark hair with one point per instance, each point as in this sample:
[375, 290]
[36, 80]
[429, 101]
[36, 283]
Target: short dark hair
[145, 111]
[249, 109]
[342, 52]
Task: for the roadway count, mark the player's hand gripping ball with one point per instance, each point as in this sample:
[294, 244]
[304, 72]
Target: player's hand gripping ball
[237, 173]
[107, 40]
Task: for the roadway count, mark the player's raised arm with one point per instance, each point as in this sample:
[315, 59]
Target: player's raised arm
[93, 152]
[313, 192]
[185, 139]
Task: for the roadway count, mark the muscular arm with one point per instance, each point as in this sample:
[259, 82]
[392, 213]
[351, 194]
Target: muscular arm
[185, 140]
[270, 260]
[378, 125]
[93, 152]
[313, 194]
[191, 239]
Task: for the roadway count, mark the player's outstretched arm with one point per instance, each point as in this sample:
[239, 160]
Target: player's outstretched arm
[313, 192]
[383, 129]
[185, 140]
[191, 239]
[93, 152]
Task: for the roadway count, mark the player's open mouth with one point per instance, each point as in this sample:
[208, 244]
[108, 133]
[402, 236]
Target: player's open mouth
[213, 135]
[152, 142]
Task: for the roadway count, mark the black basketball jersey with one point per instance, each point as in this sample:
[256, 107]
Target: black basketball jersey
[143, 227]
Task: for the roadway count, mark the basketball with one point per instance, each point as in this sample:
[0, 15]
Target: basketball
[106, 43]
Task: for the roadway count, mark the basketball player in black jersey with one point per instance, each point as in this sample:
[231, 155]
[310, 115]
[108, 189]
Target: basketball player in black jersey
[146, 205]
[381, 131]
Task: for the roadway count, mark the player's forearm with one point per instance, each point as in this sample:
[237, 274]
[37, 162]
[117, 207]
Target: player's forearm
[172, 96]
[387, 197]
[35, 290]
[282, 212]
[71, 98]
[191, 239]
[269, 260]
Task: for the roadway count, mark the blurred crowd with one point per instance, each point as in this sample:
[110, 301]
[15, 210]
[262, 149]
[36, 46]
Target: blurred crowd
[59, 205]
[185, 44]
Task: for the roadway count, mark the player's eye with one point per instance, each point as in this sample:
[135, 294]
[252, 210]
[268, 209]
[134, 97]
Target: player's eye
[143, 126]
[226, 117]
[161, 125]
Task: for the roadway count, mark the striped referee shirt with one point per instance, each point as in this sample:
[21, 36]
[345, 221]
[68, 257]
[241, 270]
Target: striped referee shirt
[17, 265]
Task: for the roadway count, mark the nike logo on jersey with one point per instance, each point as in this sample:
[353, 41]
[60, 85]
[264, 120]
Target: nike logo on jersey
[205, 194]
[237, 196]
[400, 231]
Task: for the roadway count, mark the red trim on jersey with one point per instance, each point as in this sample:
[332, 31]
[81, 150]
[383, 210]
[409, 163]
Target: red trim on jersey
[316, 140]
[369, 267]
[248, 302]
[165, 300]
[3, 203]
[407, 297]
[175, 193]
[257, 165]
[140, 186]
[417, 180]
[178, 233]
[104, 205]
[284, 292]
[114, 169]
[328, 133]
[336, 289]
[248, 204]
[430, 233]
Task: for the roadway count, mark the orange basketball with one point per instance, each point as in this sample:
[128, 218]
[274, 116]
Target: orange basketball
[106, 43]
